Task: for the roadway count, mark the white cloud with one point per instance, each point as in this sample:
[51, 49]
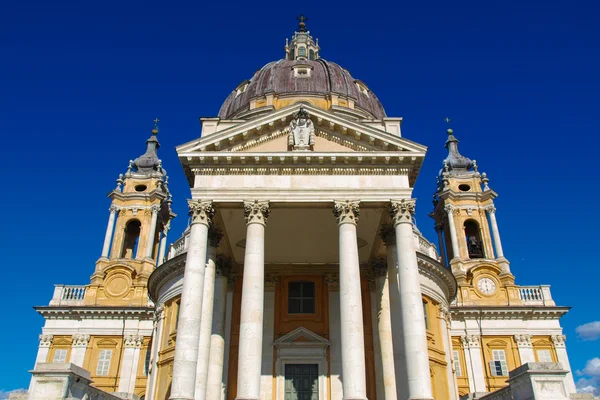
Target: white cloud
[6, 395]
[592, 367]
[591, 383]
[589, 331]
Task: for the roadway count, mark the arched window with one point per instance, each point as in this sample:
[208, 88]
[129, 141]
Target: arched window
[311, 54]
[473, 237]
[130, 240]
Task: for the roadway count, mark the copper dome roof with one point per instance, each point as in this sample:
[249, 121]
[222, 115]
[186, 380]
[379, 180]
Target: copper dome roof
[279, 77]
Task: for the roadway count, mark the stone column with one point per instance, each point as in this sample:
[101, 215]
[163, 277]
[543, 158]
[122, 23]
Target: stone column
[78, 349]
[109, 231]
[266, 379]
[159, 315]
[525, 348]
[188, 330]
[411, 302]
[44, 348]
[440, 234]
[335, 338]
[351, 321]
[452, 228]
[474, 363]
[491, 210]
[214, 237]
[216, 360]
[388, 235]
[447, 345]
[563, 359]
[251, 314]
[231, 281]
[129, 365]
[163, 244]
[152, 231]
[384, 329]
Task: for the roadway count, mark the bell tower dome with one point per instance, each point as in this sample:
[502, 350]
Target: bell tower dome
[136, 235]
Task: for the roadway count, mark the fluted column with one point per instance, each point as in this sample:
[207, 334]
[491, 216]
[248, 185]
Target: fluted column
[491, 210]
[447, 346]
[474, 362]
[440, 234]
[159, 315]
[109, 230]
[561, 353]
[163, 244]
[251, 314]
[129, 363]
[411, 303]
[351, 313]
[216, 361]
[384, 328]
[152, 231]
[214, 237]
[188, 328]
[452, 228]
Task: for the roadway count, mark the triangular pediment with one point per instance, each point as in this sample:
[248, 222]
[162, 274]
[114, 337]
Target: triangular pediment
[303, 337]
[269, 133]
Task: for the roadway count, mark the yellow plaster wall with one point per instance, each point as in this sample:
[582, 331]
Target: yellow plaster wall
[462, 381]
[109, 382]
[166, 353]
[513, 360]
[435, 348]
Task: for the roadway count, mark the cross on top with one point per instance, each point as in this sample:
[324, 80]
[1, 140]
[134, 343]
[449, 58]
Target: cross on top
[447, 120]
[302, 25]
[156, 121]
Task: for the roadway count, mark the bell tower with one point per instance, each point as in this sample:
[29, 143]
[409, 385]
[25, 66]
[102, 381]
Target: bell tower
[465, 221]
[136, 235]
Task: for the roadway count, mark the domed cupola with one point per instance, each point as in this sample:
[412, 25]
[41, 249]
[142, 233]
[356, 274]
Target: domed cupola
[302, 76]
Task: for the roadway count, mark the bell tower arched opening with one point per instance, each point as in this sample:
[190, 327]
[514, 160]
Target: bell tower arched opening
[473, 238]
[131, 239]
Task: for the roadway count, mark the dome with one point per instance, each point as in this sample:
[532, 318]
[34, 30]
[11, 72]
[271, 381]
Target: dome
[302, 79]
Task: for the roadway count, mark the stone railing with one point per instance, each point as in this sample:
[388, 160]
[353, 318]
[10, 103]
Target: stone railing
[536, 295]
[68, 295]
[424, 246]
[180, 246]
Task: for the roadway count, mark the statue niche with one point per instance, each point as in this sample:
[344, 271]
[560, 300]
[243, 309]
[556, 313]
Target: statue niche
[302, 132]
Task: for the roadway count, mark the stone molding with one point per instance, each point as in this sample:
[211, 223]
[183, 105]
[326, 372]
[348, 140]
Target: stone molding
[214, 236]
[46, 340]
[302, 170]
[559, 340]
[471, 341]
[402, 211]
[201, 211]
[135, 341]
[523, 340]
[346, 211]
[388, 235]
[81, 340]
[141, 313]
[256, 212]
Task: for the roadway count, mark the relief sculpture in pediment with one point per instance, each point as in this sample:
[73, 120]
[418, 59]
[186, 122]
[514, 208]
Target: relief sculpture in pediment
[302, 132]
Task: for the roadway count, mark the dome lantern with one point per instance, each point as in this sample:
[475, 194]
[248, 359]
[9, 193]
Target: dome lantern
[302, 45]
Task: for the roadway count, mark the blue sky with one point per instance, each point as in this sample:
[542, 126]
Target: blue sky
[80, 83]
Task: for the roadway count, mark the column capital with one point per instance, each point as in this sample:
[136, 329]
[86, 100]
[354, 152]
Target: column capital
[80, 340]
[214, 236]
[46, 340]
[201, 211]
[333, 282]
[450, 209]
[523, 340]
[378, 267]
[113, 209]
[134, 341]
[559, 340]
[256, 212]
[346, 211]
[155, 208]
[159, 313]
[445, 313]
[223, 267]
[388, 235]
[491, 209]
[167, 227]
[471, 341]
[402, 211]
[271, 282]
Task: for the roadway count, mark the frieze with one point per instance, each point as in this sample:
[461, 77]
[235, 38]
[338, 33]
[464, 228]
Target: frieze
[283, 171]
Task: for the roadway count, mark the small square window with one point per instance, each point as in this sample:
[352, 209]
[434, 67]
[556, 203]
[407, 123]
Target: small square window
[301, 298]
[60, 356]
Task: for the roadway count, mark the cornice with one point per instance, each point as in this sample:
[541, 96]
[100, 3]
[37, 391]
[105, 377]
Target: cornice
[94, 312]
[507, 312]
[438, 273]
[164, 273]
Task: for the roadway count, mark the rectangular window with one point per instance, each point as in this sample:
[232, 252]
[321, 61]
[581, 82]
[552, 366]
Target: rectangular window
[301, 382]
[544, 356]
[103, 366]
[456, 360]
[301, 298]
[425, 315]
[60, 356]
[147, 362]
[498, 366]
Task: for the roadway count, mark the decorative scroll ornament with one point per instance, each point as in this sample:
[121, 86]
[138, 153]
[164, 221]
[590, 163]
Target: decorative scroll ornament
[134, 341]
[202, 212]
[402, 211]
[256, 212]
[523, 340]
[214, 236]
[46, 340]
[558, 340]
[302, 131]
[81, 340]
[346, 211]
[470, 340]
[379, 267]
[388, 235]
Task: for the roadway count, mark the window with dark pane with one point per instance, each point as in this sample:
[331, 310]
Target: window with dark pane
[301, 298]
[301, 382]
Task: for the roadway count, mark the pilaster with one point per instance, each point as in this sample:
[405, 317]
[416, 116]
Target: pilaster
[78, 348]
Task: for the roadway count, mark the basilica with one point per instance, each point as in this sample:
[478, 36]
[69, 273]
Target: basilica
[302, 273]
